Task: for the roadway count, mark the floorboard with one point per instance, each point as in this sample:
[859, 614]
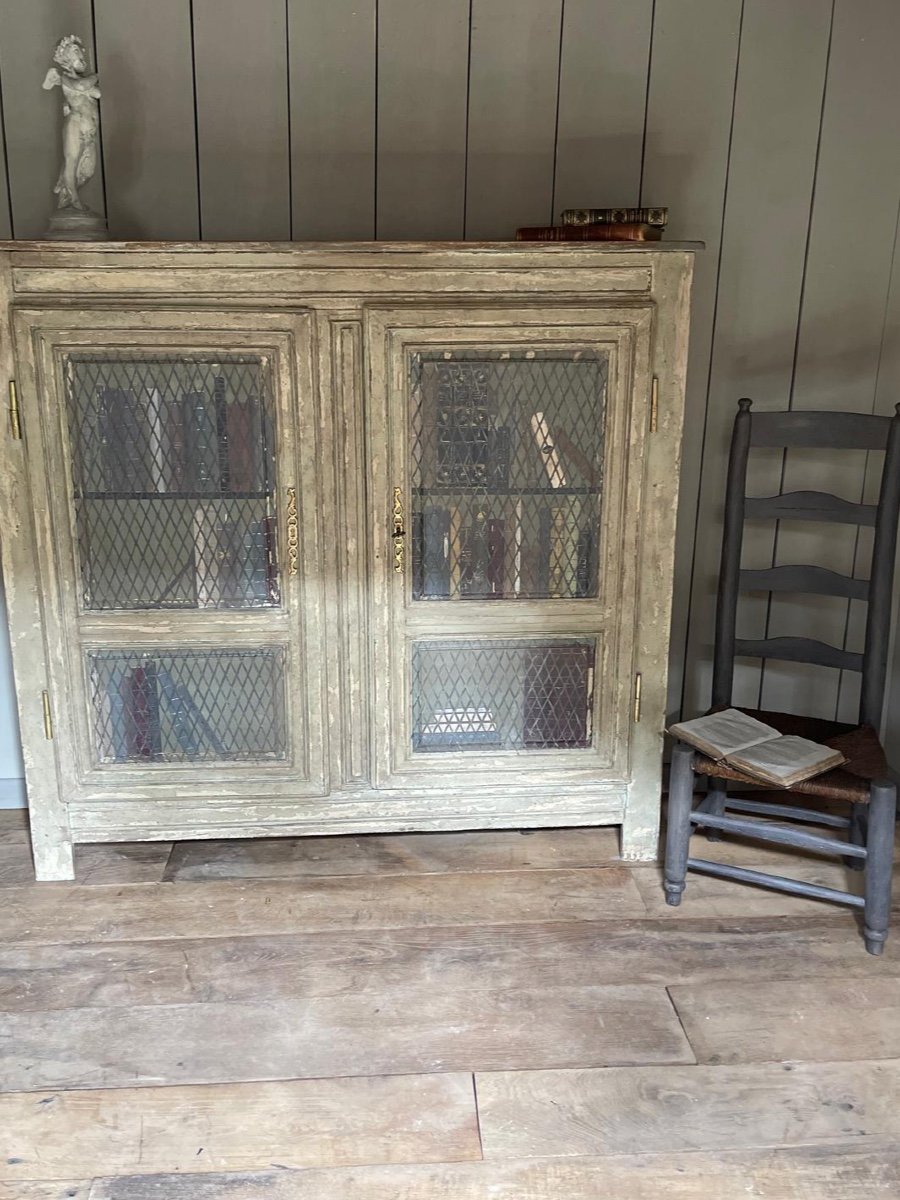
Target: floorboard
[839, 1172]
[456, 959]
[142, 862]
[239, 1127]
[54, 913]
[623, 1111]
[770, 1021]
[14, 826]
[366, 1033]
[399, 854]
[46, 1189]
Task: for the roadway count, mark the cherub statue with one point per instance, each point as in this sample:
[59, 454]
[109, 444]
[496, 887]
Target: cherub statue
[80, 119]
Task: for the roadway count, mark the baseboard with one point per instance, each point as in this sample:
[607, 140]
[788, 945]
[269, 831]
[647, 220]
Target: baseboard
[12, 793]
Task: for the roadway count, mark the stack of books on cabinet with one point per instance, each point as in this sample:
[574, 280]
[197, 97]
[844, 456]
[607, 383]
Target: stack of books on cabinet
[600, 225]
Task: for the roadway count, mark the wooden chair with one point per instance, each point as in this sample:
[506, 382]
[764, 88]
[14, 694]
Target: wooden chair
[863, 782]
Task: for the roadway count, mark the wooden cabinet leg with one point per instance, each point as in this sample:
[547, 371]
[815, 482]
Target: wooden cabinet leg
[640, 829]
[51, 850]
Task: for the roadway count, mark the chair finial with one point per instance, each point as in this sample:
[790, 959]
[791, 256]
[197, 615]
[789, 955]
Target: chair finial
[744, 404]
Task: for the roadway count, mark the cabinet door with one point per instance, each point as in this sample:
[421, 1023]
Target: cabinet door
[175, 511]
[507, 452]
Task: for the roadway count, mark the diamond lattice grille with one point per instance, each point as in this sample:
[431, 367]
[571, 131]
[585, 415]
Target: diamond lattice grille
[506, 466]
[174, 478]
[189, 705]
[506, 695]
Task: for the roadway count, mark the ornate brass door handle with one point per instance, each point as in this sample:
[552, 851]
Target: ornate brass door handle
[399, 533]
[293, 533]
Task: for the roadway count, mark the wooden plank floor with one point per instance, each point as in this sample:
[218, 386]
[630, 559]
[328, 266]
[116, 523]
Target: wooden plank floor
[437, 1017]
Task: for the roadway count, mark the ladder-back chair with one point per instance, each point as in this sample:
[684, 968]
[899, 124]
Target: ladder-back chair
[863, 782]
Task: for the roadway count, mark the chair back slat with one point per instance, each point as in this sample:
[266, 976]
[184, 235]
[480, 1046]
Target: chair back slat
[810, 581]
[820, 430]
[823, 430]
[797, 649]
[809, 506]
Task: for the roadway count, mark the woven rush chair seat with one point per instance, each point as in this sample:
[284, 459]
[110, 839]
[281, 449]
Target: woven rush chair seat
[850, 782]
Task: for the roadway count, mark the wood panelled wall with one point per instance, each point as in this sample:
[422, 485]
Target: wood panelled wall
[769, 127]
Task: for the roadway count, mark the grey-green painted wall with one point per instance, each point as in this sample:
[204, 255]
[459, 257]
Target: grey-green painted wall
[769, 127]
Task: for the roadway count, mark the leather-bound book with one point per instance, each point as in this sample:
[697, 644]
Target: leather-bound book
[624, 232]
[614, 216]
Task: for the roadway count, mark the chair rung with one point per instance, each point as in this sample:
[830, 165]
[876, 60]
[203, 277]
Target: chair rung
[765, 831]
[811, 581]
[809, 506]
[791, 811]
[799, 649]
[777, 882]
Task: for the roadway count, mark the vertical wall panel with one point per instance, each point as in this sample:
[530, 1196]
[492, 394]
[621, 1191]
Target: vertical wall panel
[240, 60]
[602, 101]
[423, 62]
[694, 60]
[887, 397]
[32, 117]
[514, 72]
[149, 145]
[842, 319]
[778, 102]
[5, 211]
[332, 85]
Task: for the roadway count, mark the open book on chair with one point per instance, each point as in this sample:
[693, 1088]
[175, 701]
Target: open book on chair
[740, 740]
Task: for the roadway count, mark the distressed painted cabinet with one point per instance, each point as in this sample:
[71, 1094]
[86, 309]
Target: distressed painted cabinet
[340, 538]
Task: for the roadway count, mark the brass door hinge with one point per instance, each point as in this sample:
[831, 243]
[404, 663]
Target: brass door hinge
[15, 423]
[636, 713]
[654, 405]
[48, 717]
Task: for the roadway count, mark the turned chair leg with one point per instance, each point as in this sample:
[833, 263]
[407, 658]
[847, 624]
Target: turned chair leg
[678, 828]
[714, 804]
[879, 863]
[857, 835]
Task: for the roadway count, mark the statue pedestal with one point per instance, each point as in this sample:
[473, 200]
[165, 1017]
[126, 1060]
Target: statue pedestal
[76, 225]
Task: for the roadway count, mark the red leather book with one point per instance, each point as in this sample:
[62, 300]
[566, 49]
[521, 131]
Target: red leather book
[623, 232]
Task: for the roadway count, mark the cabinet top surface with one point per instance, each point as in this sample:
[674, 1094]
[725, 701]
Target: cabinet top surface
[547, 251]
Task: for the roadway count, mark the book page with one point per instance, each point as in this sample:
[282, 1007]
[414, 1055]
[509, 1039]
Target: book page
[722, 733]
[787, 759]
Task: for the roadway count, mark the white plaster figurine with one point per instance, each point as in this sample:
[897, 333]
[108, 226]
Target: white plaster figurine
[81, 121]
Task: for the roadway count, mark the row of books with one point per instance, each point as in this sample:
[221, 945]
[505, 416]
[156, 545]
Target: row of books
[488, 559]
[600, 225]
[134, 697]
[158, 443]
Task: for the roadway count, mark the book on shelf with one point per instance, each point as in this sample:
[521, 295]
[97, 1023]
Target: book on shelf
[202, 469]
[615, 216]
[244, 446]
[482, 551]
[220, 408]
[620, 232]
[174, 423]
[141, 703]
[496, 556]
[434, 564]
[125, 442]
[741, 741]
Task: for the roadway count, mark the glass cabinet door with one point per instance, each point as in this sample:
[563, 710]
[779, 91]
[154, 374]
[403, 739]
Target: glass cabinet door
[509, 492]
[186, 579]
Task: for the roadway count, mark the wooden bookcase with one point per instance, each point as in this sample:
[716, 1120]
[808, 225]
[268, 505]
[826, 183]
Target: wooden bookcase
[340, 538]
